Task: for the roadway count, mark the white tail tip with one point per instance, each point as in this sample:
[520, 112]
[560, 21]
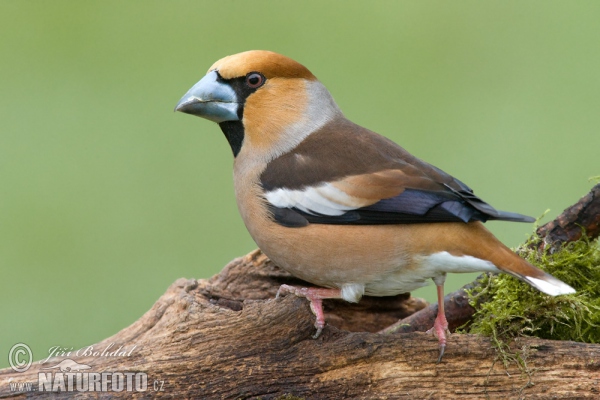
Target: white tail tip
[550, 285]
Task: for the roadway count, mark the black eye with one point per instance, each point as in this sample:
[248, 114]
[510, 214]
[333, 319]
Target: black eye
[255, 80]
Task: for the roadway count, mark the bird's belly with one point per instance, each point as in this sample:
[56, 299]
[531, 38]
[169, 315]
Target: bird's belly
[329, 256]
[386, 259]
[399, 282]
[383, 270]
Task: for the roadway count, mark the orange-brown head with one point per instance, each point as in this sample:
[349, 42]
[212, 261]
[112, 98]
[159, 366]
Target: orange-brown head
[270, 64]
[264, 102]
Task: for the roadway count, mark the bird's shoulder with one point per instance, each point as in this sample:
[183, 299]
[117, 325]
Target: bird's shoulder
[342, 149]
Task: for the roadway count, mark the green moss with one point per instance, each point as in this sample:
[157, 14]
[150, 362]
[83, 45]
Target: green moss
[516, 309]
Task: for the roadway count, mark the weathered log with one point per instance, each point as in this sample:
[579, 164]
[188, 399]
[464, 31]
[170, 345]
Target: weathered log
[229, 338]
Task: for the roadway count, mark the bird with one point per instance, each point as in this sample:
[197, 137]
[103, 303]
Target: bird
[338, 205]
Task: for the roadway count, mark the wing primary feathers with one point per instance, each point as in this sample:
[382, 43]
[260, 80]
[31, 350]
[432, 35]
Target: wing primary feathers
[514, 217]
[485, 208]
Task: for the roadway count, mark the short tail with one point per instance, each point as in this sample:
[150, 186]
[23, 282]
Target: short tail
[537, 278]
[548, 284]
[491, 249]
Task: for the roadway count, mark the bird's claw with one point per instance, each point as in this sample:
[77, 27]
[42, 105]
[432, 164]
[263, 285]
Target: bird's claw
[442, 349]
[317, 333]
[315, 296]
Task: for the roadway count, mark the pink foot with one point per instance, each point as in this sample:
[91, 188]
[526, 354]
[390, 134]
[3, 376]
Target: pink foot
[315, 296]
[439, 330]
[440, 326]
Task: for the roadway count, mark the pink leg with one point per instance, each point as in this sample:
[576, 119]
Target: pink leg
[315, 296]
[440, 326]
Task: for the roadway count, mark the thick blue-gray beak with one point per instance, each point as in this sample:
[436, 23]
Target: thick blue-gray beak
[210, 99]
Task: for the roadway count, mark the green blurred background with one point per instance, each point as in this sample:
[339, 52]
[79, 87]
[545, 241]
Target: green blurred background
[107, 196]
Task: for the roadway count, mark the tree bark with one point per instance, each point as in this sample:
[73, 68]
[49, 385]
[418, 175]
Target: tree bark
[229, 338]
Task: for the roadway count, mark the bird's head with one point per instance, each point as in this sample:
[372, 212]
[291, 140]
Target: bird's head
[264, 102]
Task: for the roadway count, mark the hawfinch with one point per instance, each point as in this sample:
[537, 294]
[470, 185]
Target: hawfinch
[338, 205]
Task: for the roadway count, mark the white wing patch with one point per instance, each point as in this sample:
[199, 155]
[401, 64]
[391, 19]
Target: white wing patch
[324, 199]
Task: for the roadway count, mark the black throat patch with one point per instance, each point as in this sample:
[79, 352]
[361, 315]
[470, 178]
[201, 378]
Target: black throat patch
[234, 132]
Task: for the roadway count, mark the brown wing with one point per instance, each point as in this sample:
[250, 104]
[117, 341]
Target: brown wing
[346, 174]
